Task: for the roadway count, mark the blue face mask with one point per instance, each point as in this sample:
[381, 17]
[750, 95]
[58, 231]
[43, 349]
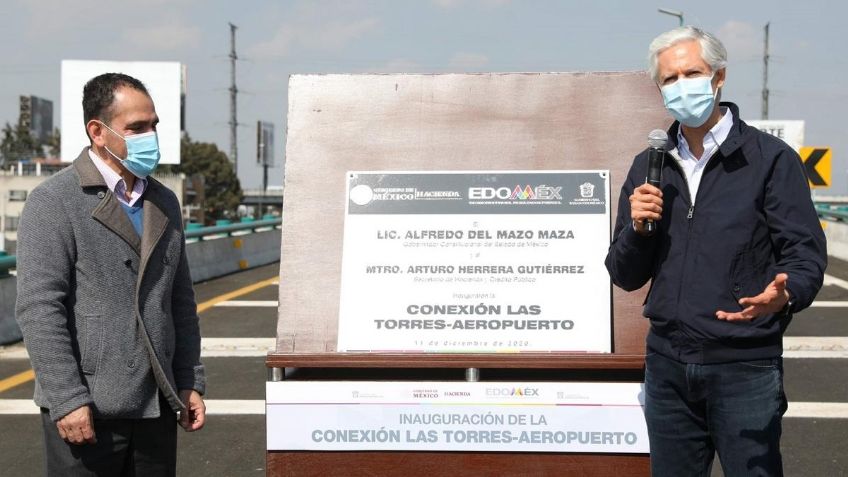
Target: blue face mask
[690, 100]
[142, 152]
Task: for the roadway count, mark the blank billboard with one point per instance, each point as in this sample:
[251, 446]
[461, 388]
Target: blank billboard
[163, 81]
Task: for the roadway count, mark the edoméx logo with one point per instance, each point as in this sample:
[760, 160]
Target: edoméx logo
[512, 392]
[528, 192]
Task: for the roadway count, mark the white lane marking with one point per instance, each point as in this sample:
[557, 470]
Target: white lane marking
[818, 410]
[815, 343]
[209, 348]
[18, 406]
[213, 406]
[235, 406]
[236, 347]
[829, 304]
[815, 354]
[793, 346]
[808, 410]
[831, 280]
[15, 351]
[805, 347]
[250, 303]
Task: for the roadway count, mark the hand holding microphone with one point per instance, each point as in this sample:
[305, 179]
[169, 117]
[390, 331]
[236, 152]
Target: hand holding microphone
[646, 202]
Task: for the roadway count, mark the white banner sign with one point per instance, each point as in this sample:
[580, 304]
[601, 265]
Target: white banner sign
[791, 131]
[456, 416]
[476, 262]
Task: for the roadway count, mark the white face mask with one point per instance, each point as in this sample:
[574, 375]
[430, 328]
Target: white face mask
[142, 152]
[690, 100]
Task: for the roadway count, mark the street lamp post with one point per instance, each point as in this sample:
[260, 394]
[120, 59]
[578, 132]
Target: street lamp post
[674, 13]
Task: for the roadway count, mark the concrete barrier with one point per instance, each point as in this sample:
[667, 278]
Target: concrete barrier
[837, 239]
[217, 257]
[9, 331]
[209, 258]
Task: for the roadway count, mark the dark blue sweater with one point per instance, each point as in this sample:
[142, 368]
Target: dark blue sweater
[135, 215]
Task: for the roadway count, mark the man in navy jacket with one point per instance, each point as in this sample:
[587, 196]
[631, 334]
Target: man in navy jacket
[738, 249]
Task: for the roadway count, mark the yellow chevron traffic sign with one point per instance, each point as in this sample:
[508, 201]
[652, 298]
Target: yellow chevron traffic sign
[817, 163]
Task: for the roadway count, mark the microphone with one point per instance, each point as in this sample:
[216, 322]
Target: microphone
[657, 140]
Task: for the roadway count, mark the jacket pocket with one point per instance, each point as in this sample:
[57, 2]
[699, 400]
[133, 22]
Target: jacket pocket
[745, 275]
[92, 343]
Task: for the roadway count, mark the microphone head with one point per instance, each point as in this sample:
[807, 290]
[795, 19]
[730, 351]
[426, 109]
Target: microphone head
[657, 139]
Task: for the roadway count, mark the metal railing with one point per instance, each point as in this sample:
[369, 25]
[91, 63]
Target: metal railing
[838, 214]
[7, 262]
[223, 230]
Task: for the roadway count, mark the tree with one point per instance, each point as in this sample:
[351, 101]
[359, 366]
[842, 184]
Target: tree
[222, 189]
[18, 145]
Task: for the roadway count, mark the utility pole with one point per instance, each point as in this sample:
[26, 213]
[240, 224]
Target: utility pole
[765, 75]
[233, 94]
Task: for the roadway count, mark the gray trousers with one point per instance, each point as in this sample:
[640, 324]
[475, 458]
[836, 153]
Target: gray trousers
[125, 447]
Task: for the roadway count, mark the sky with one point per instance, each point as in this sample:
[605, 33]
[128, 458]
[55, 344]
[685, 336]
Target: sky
[275, 39]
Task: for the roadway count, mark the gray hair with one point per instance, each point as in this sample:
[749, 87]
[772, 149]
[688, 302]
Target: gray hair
[712, 51]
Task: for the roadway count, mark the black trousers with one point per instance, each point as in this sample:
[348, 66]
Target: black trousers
[125, 447]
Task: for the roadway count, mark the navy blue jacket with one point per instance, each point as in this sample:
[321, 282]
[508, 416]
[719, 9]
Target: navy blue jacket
[752, 218]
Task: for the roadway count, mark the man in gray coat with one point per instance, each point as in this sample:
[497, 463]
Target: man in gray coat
[105, 299]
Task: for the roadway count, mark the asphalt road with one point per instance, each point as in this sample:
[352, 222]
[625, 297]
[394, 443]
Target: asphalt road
[815, 443]
[817, 446]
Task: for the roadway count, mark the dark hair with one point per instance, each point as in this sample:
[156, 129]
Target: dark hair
[99, 94]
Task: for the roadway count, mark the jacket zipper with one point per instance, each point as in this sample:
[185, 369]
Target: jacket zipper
[689, 218]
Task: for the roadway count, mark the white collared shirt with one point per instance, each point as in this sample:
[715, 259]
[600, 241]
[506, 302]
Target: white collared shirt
[116, 183]
[693, 166]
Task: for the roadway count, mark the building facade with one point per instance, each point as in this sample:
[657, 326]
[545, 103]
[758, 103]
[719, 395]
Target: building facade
[18, 180]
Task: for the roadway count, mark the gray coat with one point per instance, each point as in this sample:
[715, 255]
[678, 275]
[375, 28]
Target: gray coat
[96, 302]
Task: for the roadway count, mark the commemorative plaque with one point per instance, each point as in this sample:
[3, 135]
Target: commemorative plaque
[476, 262]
